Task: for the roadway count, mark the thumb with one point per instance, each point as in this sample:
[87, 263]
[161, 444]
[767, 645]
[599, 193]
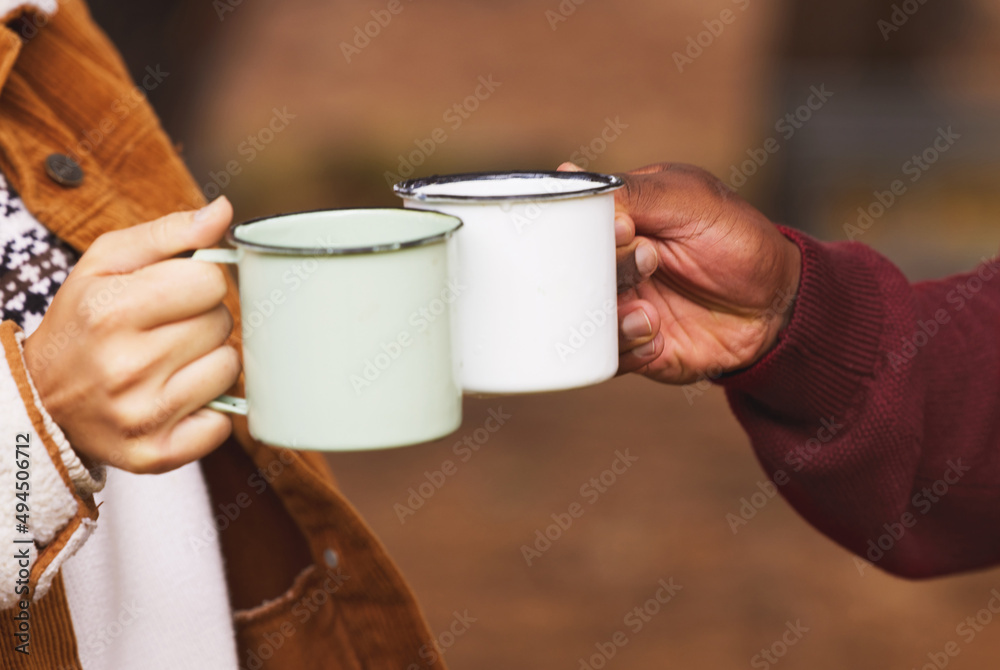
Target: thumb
[128, 250]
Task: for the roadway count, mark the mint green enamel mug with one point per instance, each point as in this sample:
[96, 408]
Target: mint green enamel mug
[347, 328]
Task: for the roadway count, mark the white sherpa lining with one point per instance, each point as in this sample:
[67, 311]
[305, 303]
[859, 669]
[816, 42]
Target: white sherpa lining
[8, 7]
[51, 503]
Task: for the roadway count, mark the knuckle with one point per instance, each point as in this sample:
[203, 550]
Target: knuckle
[108, 315]
[216, 430]
[148, 460]
[103, 306]
[232, 364]
[130, 419]
[157, 293]
[215, 282]
[123, 369]
[209, 279]
[160, 232]
[705, 180]
[652, 168]
[227, 365]
[227, 323]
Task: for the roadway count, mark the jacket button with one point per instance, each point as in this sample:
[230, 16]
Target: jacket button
[63, 170]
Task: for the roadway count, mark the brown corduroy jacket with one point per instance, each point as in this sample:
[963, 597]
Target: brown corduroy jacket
[309, 584]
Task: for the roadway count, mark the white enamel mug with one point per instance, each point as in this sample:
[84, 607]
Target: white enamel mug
[536, 266]
[347, 328]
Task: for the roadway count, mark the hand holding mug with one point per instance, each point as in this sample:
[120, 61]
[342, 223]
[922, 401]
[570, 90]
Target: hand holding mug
[715, 294]
[133, 346]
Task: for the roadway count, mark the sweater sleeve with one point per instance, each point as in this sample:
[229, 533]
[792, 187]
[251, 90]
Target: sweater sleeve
[47, 508]
[877, 413]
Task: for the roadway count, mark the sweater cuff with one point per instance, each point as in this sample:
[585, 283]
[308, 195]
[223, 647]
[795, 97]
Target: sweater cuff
[87, 481]
[830, 348]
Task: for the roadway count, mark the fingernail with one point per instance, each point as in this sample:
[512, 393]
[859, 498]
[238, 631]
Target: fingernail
[621, 230]
[645, 350]
[206, 211]
[637, 325]
[645, 259]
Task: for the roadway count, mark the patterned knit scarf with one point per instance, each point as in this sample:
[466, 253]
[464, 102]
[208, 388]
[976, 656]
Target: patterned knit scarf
[33, 262]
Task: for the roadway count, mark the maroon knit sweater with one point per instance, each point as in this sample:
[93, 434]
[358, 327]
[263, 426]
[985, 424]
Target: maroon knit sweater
[878, 411]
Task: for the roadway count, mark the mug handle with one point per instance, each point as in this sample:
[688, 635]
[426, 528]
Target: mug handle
[216, 255]
[229, 405]
[224, 403]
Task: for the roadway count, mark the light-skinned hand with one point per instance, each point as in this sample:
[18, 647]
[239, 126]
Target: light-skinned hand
[133, 346]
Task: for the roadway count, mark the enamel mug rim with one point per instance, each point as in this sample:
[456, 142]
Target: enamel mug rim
[232, 236]
[410, 188]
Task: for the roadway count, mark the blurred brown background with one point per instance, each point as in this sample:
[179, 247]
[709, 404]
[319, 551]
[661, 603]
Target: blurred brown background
[564, 70]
